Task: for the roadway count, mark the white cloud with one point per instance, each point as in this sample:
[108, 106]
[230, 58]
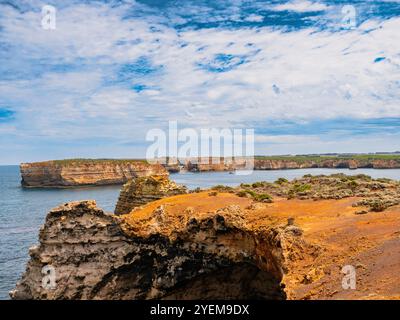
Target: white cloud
[254, 18]
[301, 6]
[299, 75]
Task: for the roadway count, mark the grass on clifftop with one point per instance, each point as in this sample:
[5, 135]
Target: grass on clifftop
[319, 158]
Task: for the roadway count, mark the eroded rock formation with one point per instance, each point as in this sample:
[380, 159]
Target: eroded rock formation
[160, 254]
[69, 173]
[142, 190]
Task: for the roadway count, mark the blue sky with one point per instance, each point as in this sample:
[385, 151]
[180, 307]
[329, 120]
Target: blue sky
[112, 70]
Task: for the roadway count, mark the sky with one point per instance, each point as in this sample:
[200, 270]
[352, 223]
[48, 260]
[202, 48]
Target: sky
[297, 72]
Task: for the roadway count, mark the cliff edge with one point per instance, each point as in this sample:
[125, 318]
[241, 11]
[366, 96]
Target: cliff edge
[158, 254]
[142, 190]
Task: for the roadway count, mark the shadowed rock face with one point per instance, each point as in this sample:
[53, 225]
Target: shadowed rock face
[142, 190]
[100, 256]
[238, 281]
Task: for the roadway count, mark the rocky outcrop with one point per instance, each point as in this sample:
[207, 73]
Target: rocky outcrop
[142, 190]
[158, 254]
[70, 173]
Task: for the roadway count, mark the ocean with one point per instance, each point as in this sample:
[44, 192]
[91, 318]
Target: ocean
[22, 211]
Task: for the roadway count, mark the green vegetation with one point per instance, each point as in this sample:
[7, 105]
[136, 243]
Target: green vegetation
[299, 189]
[222, 188]
[245, 185]
[261, 197]
[281, 181]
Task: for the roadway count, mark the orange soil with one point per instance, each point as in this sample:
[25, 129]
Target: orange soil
[369, 242]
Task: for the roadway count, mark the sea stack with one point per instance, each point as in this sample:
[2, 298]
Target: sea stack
[142, 190]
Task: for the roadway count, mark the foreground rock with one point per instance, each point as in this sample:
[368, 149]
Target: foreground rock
[142, 190]
[159, 254]
[82, 172]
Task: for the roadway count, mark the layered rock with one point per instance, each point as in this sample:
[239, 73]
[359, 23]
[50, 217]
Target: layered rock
[158, 254]
[69, 173]
[142, 190]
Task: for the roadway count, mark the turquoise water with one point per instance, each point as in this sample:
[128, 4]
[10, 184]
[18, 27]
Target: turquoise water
[22, 211]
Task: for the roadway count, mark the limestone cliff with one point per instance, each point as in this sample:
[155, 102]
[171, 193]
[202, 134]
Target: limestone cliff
[142, 190]
[69, 173]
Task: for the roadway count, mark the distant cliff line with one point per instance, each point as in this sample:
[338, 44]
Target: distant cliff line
[375, 161]
[80, 172]
[295, 162]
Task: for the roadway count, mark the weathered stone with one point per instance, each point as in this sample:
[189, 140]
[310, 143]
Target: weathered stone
[100, 256]
[142, 190]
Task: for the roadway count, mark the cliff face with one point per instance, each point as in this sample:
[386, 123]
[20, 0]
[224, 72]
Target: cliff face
[82, 172]
[142, 190]
[69, 173]
[158, 254]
